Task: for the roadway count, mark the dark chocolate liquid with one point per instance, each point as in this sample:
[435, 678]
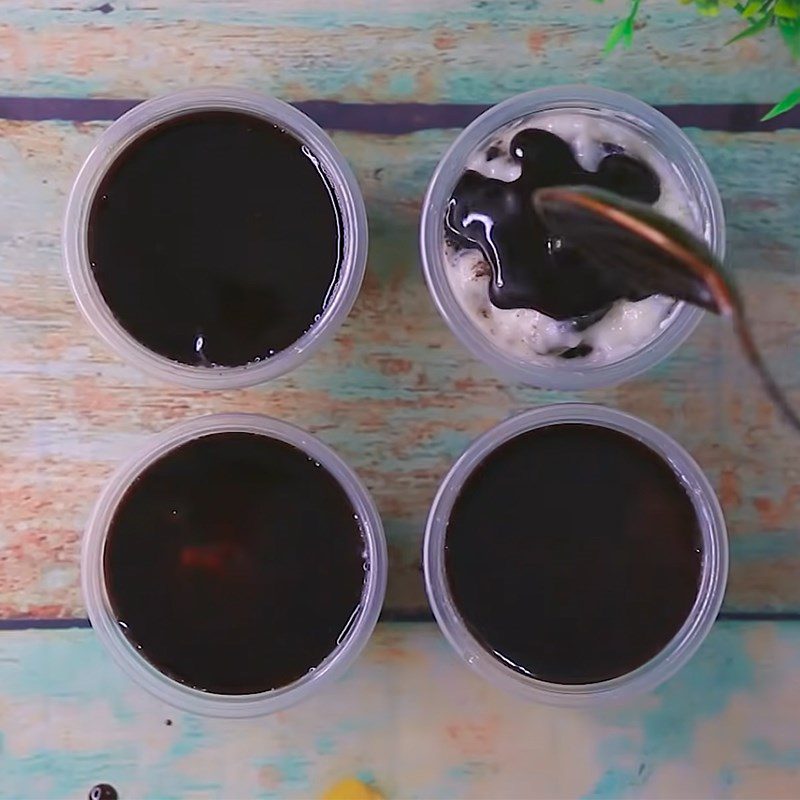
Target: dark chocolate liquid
[531, 268]
[573, 553]
[235, 563]
[215, 239]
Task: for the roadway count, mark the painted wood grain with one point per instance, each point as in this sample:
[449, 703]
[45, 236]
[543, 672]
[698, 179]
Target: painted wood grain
[412, 719]
[363, 50]
[399, 398]
[395, 394]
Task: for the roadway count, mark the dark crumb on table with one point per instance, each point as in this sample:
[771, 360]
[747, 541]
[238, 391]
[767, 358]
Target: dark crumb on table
[103, 791]
[168, 722]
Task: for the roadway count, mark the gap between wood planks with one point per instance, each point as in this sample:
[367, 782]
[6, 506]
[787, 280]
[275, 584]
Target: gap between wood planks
[388, 615]
[397, 118]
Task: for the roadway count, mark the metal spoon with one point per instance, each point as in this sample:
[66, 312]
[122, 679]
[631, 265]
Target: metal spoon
[652, 254]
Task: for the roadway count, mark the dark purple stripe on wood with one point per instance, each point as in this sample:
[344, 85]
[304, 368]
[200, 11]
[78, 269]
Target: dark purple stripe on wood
[396, 118]
[424, 615]
[731, 117]
[71, 109]
[387, 615]
[26, 624]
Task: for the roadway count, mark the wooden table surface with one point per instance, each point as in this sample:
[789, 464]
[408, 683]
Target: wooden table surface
[396, 395]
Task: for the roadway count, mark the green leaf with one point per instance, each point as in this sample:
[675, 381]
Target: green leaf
[627, 37]
[788, 9]
[615, 36]
[750, 30]
[708, 8]
[623, 30]
[790, 32]
[790, 101]
[751, 9]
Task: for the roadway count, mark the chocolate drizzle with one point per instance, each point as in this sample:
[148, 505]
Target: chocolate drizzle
[530, 267]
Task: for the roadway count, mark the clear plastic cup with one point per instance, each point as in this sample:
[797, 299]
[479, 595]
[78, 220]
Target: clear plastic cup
[131, 660]
[683, 645]
[656, 130]
[154, 112]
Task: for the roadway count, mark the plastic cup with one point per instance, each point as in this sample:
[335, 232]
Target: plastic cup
[685, 642]
[654, 128]
[126, 655]
[110, 146]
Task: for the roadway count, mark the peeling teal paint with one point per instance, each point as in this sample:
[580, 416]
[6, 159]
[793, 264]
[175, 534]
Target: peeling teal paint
[665, 732]
[769, 754]
[401, 85]
[366, 776]
[493, 50]
[336, 735]
[325, 745]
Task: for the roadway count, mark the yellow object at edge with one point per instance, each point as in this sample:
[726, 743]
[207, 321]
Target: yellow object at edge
[351, 789]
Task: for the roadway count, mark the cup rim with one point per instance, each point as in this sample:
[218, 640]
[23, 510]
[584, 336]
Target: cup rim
[571, 375]
[111, 143]
[125, 654]
[680, 648]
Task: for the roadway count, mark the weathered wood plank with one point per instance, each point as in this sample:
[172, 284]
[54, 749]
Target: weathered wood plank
[728, 725]
[395, 394]
[453, 50]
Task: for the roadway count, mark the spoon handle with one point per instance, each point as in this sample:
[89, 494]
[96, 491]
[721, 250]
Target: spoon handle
[753, 355]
